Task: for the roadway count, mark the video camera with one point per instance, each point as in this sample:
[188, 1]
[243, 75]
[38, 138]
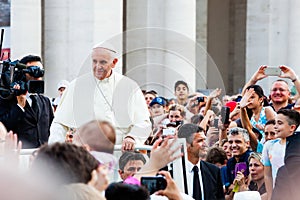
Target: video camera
[13, 73]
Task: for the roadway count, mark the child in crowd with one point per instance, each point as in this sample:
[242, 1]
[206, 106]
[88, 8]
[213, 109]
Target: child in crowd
[157, 106]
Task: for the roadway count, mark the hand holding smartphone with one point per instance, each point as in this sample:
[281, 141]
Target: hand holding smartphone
[169, 131]
[154, 183]
[241, 167]
[225, 111]
[216, 123]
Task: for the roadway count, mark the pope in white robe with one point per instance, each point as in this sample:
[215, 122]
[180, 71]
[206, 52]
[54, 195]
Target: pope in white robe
[104, 95]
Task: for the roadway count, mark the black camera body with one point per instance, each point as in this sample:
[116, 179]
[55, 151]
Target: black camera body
[200, 99]
[13, 73]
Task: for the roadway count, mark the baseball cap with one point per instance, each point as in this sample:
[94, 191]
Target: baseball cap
[62, 83]
[231, 105]
[158, 100]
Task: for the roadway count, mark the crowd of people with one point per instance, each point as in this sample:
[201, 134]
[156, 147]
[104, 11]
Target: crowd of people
[243, 142]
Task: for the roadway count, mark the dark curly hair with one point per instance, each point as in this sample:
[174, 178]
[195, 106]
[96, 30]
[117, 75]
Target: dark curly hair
[126, 192]
[216, 155]
[66, 162]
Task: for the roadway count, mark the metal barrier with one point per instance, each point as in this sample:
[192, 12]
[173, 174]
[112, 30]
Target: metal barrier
[116, 148]
[178, 168]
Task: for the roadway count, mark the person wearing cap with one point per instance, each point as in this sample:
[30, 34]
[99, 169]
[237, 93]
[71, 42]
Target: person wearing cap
[157, 106]
[105, 95]
[61, 86]
[234, 110]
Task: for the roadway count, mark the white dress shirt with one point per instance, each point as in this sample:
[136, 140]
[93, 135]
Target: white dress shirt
[190, 178]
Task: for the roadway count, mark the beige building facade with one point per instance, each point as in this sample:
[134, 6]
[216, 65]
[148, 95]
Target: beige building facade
[207, 43]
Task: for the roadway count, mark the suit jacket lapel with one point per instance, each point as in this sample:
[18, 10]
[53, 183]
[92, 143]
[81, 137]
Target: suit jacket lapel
[207, 179]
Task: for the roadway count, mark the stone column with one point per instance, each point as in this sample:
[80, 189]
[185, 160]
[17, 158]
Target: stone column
[163, 36]
[26, 28]
[257, 37]
[272, 37]
[180, 43]
[72, 28]
[201, 41]
[293, 50]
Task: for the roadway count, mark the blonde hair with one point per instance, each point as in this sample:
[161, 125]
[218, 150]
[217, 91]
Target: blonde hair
[256, 156]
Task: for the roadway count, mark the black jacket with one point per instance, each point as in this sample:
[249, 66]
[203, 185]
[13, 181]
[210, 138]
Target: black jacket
[288, 176]
[212, 181]
[31, 126]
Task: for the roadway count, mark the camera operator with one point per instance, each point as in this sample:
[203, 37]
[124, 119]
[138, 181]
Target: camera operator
[28, 115]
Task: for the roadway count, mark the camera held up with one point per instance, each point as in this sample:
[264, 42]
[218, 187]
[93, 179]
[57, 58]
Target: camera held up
[13, 73]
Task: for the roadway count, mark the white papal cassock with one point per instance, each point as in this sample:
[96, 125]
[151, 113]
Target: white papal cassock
[116, 99]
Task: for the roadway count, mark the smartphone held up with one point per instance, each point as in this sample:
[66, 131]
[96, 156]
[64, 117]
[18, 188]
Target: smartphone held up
[154, 183]
[272, 71]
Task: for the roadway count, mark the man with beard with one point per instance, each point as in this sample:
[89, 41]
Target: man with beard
[203, 179]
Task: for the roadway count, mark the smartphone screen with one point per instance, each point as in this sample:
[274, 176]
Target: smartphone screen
[242, 167]
[169, 131]
[216, 122]
[154, 183]
[272, 71]
[225, 111]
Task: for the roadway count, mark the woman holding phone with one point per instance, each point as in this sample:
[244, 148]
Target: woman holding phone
[255, 181]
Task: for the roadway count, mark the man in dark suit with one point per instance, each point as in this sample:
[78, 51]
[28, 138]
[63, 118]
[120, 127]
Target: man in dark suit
[207, 185]
[29, 116]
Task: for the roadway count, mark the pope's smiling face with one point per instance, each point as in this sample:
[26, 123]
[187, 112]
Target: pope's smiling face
[103, 63]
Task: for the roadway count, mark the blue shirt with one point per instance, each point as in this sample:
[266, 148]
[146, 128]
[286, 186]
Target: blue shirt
[231, 165]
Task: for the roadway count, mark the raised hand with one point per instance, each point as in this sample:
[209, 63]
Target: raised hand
[215, 93]
[287, 72]
[245, 100]
[171, 191]
[259, 74]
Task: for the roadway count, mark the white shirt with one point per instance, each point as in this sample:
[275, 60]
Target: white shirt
[190, 178]
[116, 99]
[273, 156]
[29, 100]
